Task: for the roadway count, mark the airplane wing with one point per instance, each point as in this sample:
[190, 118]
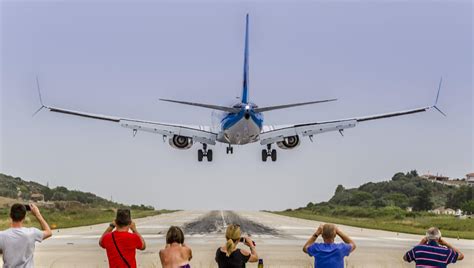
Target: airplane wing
[201, 134]
[272, 134]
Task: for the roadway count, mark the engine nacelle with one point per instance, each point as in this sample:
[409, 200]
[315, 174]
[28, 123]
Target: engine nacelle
[181, 142]
[290, 142]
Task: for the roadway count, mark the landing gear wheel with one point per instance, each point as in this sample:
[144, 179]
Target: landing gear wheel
[274, 155]
[200, 155]
[264, 155]
[229, 150]
[209, 155]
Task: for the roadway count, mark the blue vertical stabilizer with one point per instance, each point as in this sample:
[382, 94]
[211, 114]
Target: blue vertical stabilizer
[245, 86]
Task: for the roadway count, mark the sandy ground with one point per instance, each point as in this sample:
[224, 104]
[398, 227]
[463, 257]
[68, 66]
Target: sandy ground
[279, 241]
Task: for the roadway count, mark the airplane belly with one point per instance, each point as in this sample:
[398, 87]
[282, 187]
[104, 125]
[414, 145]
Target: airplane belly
[243, 132]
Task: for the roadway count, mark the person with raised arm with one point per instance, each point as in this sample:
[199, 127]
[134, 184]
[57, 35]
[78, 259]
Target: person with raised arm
[175, 253]
[229, 255]
[17, 244]
[121, 244]
[433, 251]
[329, 254]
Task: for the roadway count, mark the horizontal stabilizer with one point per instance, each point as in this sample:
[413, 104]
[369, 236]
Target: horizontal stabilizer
[209, 106]
[284, 106]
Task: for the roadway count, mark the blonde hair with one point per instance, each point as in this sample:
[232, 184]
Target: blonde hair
[329, 231]
[232, 234]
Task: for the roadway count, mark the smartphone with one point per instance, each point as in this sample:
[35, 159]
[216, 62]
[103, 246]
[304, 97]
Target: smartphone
[28, 208]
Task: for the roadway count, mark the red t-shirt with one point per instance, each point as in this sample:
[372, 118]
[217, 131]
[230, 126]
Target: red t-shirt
[127, 244]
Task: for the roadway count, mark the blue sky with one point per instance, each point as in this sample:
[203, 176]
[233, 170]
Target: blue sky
[119, 58]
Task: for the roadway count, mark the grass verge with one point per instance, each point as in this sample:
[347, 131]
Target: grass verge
[449, 225]
[76, 217]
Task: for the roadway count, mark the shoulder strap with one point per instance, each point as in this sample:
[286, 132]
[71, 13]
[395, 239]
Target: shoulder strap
[118, 250]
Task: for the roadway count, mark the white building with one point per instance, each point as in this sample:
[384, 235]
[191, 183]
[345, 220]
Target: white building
[470, 179]
[443, 211]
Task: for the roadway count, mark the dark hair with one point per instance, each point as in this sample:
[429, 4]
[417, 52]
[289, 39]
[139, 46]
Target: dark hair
[18, 212]
[174, 235]
[123, 218]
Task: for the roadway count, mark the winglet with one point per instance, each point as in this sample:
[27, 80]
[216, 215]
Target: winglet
[40, 98]
[437, 97]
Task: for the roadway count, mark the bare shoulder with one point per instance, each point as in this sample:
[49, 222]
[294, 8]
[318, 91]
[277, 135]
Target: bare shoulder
[245, 252]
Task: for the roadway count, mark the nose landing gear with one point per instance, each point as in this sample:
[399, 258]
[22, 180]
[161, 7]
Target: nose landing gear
[204, 153]
[269, 153]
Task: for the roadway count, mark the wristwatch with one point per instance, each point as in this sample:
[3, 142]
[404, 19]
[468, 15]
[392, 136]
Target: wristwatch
[111, 225]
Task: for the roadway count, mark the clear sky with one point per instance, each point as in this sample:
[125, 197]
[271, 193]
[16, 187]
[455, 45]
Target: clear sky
[118, 58]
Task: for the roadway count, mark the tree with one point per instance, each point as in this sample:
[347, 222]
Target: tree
[461, 195]
[339, 189]
[468, 207]
[358, 197]
[423, 201]
[398, 176]
[379, 203]
[398, 199]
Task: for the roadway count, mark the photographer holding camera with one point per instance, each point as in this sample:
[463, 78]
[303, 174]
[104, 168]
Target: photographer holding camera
[433, 251]
[120, 244]
[17, 244]
[229, 256]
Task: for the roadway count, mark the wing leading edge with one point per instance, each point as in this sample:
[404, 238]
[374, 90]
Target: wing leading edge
[198, 133]
[272, 134]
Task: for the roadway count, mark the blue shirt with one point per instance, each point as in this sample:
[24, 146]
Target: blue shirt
[431, 255]
[329, 255]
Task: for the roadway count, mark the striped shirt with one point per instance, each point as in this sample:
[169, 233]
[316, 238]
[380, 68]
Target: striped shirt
[431, 255]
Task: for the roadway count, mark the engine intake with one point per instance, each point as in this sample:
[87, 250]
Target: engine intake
[290, 142]
[181, 142]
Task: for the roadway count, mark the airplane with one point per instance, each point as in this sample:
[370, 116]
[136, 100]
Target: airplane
[239, 124]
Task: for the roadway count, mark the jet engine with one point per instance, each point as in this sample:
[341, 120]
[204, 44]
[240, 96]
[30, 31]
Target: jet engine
[290, 142]
[181, 142]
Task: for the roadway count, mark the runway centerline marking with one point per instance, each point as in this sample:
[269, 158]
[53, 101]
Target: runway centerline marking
[223, 219]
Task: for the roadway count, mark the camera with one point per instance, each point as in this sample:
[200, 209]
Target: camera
[28, 208]
[242, 239]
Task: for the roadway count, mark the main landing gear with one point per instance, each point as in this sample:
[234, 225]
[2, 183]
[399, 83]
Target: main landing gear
[204, 153]
[269, 153]
[229, 149]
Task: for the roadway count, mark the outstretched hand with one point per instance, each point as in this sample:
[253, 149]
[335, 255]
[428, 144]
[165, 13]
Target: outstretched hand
[35, 210]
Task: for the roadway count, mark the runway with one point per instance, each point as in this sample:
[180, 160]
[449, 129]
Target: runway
[279, 241]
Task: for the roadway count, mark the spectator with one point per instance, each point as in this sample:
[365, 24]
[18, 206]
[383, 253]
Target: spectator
[329, 254]
[121, 244]
[17, 243]
[176, 253]
[433, 251]
[229, 256]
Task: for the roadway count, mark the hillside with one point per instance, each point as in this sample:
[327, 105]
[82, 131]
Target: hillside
[405, 190]
[17, 188]
[62, 207]
[384, 205]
